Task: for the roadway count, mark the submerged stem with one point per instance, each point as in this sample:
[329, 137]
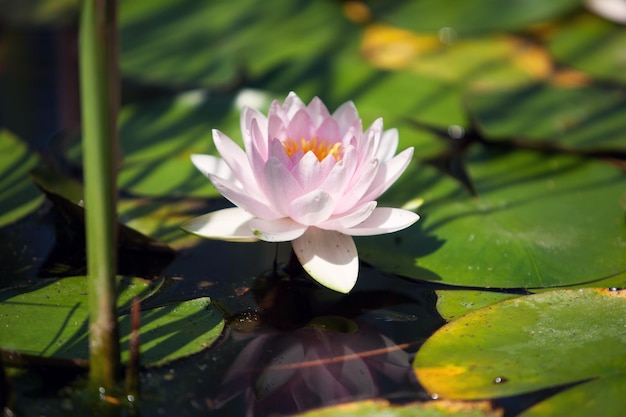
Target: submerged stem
[99, 83]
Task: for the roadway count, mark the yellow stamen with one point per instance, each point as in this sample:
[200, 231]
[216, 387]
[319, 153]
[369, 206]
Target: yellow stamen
[320, 148]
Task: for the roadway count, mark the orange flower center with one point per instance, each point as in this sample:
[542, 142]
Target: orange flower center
[320, 148]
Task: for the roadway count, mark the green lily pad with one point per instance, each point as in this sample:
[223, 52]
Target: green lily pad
[452, 304]
[593, 45]
[601, 397]
[470, 17]
[213, 44]
[50, 320]
[527, 344]
[584, 118]
[428, 409]
[18, 195]
[538, 221]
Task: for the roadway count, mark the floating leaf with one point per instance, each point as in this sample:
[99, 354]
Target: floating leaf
[18, 195]
[428, 409]
[469, 17]
[538, 221]
[585, 118]
[50, 320]
[602, 397]
[527, 344]
[169, 41]
[452, 304]
[593, 45]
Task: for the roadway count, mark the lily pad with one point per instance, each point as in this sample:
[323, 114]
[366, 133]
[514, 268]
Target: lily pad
[584, 118]
[469, 17]
[428, 409]
[50, 320]
[538, 221]
[452, 304]
[172, 42]
[527, 344]
[601, 397]
[593, 45]
[18, 195]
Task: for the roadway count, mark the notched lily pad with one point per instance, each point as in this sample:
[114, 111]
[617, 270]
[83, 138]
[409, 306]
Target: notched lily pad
[428, 409]
[50, 320]
[527, 344]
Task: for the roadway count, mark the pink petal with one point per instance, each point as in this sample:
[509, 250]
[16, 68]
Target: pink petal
[300, 126]
[317, 111]
[212, 165]
[353, 195]
[328, 130]
[281, 187]
[247, 116]
[236, 159]
[337, 180]
[277, 230]
[328, 257]
[346, 114]
[388, 173]
[292, 105]
[231, 224]
[258, 152]
[312, 208]
[388, 145]
[310, 173]
[246, 199]
[350, 219]
[383, 220]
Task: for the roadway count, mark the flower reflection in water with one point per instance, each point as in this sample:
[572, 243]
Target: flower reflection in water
[331, 360]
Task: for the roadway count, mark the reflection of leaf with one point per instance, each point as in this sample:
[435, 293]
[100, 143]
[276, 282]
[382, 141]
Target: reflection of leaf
[539, 221]
[138, 254]
[558, 337]
[167, 332]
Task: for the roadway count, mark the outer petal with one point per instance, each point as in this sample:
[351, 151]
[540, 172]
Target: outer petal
[231, 224]
[388, 145]
[329, 257]
[387, 174]
[236, 159]
[383, 220]
[242, 198]
[278, 230]
[212, 165]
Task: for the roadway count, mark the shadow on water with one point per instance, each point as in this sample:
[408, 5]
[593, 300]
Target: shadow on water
[292, 345]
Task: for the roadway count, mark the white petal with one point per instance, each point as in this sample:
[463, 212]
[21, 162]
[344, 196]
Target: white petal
[329, 257]
[383, 220]
[278, 230]
[231, 224]
[212, 165]
[312, 208]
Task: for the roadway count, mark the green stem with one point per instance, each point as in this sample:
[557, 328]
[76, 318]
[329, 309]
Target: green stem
[99, 81]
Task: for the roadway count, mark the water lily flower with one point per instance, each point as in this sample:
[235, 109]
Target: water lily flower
[308, 177]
